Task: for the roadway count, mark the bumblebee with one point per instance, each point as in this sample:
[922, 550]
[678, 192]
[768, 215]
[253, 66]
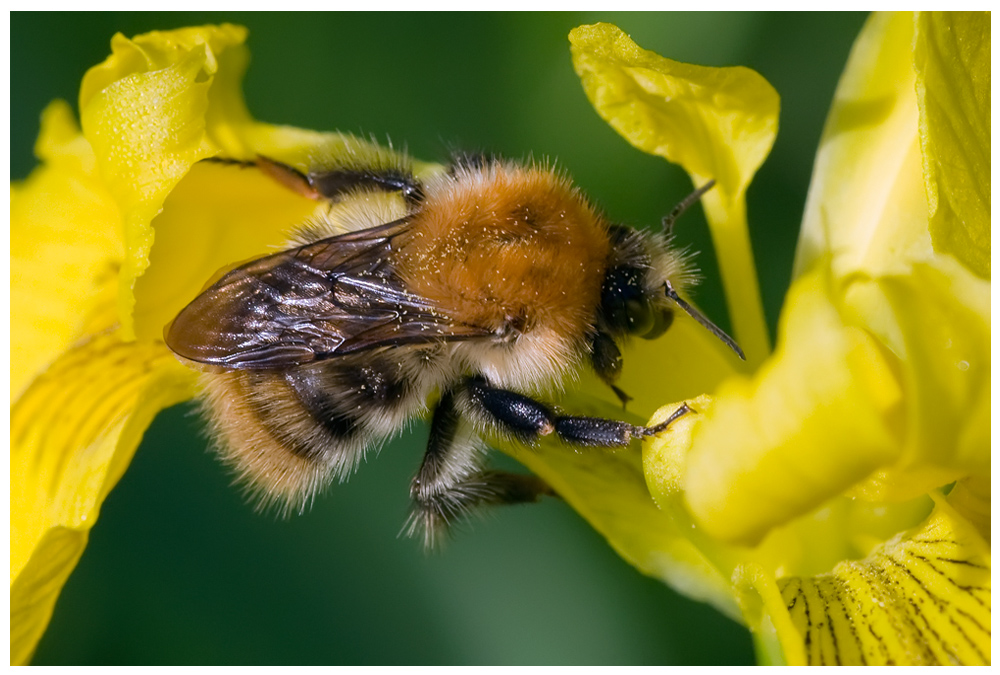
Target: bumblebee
[466, 296]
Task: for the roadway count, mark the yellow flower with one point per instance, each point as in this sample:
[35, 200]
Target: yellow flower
[837, 498]
[92, 288]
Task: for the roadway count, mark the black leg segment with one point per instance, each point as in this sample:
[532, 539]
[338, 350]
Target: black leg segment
[517, 415]
[606, 359]
[334, 183]
[451, 480]
[526, 419]
[595, 432]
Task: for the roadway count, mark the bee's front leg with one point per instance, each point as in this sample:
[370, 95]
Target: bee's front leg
[451, 481]
[606, 359]
[526, 419]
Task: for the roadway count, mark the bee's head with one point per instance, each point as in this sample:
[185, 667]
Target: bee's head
[639, 294]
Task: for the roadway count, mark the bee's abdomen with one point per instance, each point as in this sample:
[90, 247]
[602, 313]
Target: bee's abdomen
[287, 434]
[320, 418]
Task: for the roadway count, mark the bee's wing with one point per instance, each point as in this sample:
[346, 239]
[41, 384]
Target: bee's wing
[331, 297]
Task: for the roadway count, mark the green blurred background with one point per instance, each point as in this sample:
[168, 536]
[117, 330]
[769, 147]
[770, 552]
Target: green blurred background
[181, 571]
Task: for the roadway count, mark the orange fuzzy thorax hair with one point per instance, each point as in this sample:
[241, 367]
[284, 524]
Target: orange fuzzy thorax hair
[510, 248]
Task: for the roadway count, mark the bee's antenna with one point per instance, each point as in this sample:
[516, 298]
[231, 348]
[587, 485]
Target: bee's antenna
[671, 218]
[701, 318]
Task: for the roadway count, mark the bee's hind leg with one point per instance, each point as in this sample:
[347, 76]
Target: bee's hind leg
[451, 481]
[333, 183]
[283, 174]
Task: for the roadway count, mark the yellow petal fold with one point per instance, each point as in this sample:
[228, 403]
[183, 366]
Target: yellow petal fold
[942, 313]
[34, 592]
[157, 50]
[717, 123]
[970, 497]
[953, 90]
[820, 416]
[65, 248]
[225, 63]
[73, 433]
[144, 112]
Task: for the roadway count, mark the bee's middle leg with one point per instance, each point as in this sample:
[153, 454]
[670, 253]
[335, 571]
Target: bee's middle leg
[451, 480]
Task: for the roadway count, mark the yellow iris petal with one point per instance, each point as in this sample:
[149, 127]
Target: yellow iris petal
[866, 213]
[922, 598]
[33, 593]
[157, 50]
[911, 363]
[970, 498]
[953, 87]
[812, 543]
[73, 433]
[226, 59]
[75, 426]
[144, 114]
[717, 123]
[64, 247]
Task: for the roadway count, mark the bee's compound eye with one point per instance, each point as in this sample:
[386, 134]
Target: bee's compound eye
[625, 304]
[628, 308]
[640, 316]
[662, 319]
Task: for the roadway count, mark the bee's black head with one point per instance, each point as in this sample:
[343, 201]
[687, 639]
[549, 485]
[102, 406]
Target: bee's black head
[627, 306]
